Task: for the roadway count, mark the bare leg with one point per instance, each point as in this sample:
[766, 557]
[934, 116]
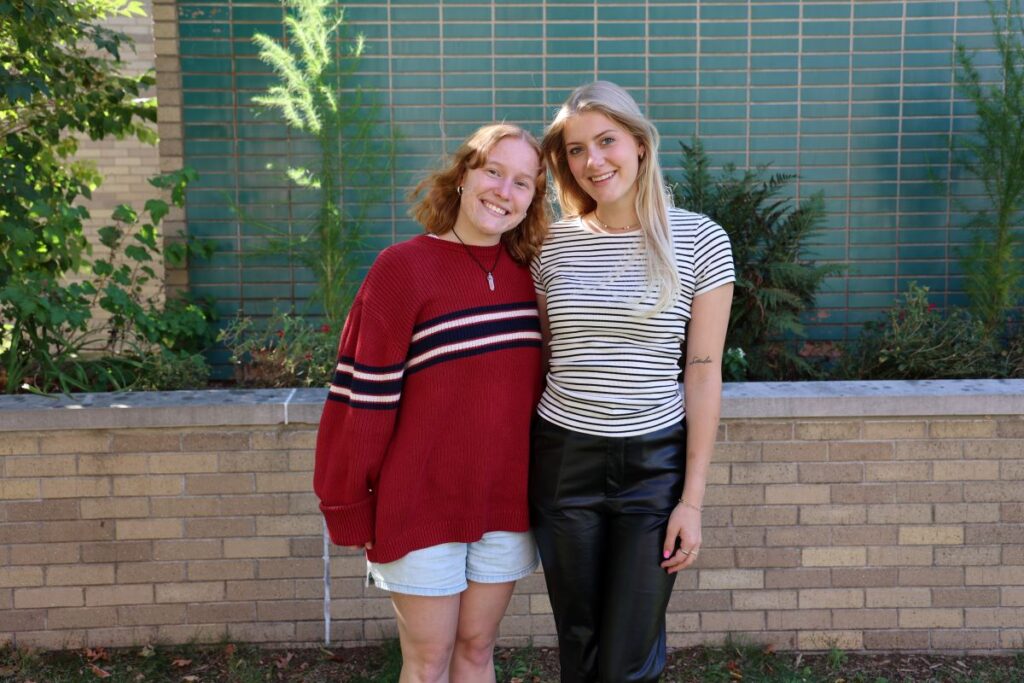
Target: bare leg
[426, 631]
[483, 605]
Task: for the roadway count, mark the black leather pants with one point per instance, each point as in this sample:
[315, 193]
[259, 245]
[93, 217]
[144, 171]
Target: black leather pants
[599, 508]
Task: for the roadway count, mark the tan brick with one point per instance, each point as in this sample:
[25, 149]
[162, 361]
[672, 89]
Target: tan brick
[732, 621]
[150, 572]
[865, 618]
[863, 577]
[799, 619]
[994, 449]
[75, 442]
[888, 556]
[832, 514]
[119, 551]
[898, 597]
[250, 461]
[205, 484]
[989, 617]
[1013, 554]
[929, 450]
[285, 438]
[954, 513]
[294, 525]
[764, 515]
[824, 640]
[832, 472]
[261, 632]
[79, 574]
[283, 482]
[11, 577]
[181, 463]
[74, 487]
[967, 555]
[44, 553]
[897, 471]
[73, 639]
[203, 549]
[962, 429]
[146, 442]
[931, 576]
[191, 633]
[863, 493]
[220, 570]
[32, 511]
[931, 535]
[963, 470]
[995, 576]
[764, 599]
[149, 485]
[729, 537]
[21, 620]
[730, 578]
[700, 601]
[1011, 512]
[734, 494]
[911, 513]
[111, 463]
[764, 473]
[894, 429]
[796, 494]
[130, 529]
[129, 594]
[728, 452]
[865, 535]
[965, 597]
[860, 451]
[1010, 469]
[289, 610]
[19, 490]
[840, 430]
[37, 466]
[19, 444]
[29, 598]
[904, 639]
[953, 639]
[112, 508]
[192, 591]
[834, 557]
[145, 615]
[224, 612]
[56, 532]
[945, 617]
[255, 547]
[206, 506]
[794, 451]
[81, 617]
[930, 493]
[223, 527]
[991, 534]
[797, 536]
[759, 430]
[215, 441]
[767, 557]
[259, 505]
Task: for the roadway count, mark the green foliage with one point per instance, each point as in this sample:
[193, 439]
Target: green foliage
[734, 365]
[994, 154]
[315, 96]
[51, 340]
[284, 351]
[915, 341]
[775, 284]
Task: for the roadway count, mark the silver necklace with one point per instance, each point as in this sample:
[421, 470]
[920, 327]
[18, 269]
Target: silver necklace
[488, 273]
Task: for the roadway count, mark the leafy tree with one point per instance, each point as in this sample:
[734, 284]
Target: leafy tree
[994, 154]
[775, 284]
[316, 97]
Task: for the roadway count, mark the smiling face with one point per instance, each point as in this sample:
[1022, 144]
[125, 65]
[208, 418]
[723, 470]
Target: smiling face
[604, 159]
[496, 196]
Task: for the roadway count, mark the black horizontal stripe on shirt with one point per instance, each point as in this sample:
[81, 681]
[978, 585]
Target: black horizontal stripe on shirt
[479, 310]
[480, 330]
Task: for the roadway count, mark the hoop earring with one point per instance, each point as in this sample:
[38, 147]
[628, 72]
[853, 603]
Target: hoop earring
[459, 190]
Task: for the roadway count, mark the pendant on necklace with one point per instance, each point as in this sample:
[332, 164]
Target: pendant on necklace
[490, 281]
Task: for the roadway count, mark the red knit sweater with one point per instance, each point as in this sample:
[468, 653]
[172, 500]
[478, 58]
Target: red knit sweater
[424, 438]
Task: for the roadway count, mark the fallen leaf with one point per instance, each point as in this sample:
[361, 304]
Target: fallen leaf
[98, 672]
[190, 679]
[98, 654]
[229, 649]
[147, 651]
[331, 656]
[282, 661]
[181, 663]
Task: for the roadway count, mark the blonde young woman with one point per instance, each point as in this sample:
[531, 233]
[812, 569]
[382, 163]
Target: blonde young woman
[423, 447]
[618, 469]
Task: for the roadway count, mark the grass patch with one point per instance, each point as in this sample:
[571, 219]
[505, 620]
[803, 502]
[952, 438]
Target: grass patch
[731, 663]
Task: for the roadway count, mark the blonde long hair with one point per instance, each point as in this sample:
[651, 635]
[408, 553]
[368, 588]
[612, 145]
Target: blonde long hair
[652, 200]
[438, 210]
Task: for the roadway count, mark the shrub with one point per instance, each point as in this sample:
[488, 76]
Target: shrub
[915, 341]
[775, 284]
[284, 351]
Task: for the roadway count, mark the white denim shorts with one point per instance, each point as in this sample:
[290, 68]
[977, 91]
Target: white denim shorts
[446, 569]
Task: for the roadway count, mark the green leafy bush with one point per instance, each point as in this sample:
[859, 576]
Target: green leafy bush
[284, 351]
[915, 341]
[775, 283]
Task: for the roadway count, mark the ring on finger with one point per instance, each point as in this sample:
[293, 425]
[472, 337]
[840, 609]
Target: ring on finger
[684, 552]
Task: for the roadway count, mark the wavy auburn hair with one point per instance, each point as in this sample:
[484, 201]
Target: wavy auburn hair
[652, 199]
[439, 207]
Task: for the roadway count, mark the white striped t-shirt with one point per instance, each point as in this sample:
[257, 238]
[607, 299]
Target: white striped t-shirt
[613, 372]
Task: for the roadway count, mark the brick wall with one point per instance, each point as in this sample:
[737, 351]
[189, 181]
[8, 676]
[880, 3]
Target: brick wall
[846, 514]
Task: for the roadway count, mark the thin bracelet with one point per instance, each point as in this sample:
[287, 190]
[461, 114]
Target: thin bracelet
[698, 508]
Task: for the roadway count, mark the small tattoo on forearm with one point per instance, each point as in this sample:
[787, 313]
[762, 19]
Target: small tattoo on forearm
[700, 361]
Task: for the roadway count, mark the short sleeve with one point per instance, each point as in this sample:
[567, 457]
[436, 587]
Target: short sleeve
[537, 271]
[712, 258]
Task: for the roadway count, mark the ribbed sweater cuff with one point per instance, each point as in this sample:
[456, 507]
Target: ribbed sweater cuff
[350, 524]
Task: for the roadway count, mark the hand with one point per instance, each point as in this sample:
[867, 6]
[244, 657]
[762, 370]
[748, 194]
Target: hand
[366, 546]
[684, 531]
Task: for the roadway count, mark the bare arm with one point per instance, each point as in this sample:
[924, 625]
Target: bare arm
[702, 389]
